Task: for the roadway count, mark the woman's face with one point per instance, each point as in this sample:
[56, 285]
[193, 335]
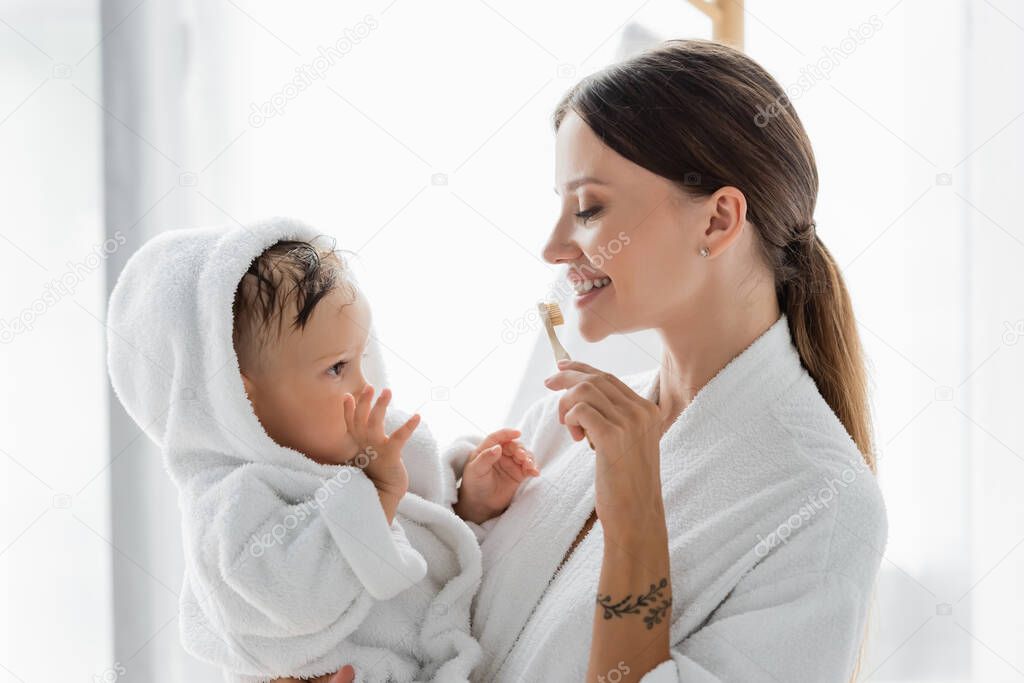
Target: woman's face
[621, 222]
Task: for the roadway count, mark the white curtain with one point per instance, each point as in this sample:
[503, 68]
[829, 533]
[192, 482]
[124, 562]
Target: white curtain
[152, 66]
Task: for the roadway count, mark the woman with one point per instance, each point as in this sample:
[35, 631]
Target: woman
[740, 524]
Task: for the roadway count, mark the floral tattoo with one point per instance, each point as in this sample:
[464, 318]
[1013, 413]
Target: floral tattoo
[654, 600]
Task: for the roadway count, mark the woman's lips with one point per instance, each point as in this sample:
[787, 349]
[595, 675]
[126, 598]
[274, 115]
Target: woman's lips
[585, 299]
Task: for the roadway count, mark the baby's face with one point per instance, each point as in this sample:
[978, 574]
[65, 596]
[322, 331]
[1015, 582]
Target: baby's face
[297, 390]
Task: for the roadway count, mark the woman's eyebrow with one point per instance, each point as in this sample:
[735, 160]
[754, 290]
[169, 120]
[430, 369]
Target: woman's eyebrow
[584, 180]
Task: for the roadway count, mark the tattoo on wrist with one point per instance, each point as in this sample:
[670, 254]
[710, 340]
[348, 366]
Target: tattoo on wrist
[654, 601]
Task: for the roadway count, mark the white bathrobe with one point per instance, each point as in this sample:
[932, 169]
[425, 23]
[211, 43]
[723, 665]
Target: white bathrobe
[776, 531]
[291, 566]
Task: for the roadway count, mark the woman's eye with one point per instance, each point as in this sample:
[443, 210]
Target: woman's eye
[335, 369]
[586, 214]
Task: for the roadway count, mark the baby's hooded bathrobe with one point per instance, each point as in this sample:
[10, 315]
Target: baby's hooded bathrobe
[291, 566]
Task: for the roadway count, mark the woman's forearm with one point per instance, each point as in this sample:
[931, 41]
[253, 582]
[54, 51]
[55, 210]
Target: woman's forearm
[634, 606]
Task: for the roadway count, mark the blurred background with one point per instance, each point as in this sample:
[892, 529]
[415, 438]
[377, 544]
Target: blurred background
[419, 135]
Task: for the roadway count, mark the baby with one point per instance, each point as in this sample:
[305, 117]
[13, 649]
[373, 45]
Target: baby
[318, 524]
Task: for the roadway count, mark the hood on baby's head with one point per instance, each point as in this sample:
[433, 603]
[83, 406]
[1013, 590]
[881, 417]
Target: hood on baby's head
[170, 354]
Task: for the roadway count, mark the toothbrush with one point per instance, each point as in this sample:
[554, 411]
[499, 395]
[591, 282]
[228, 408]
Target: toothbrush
[551, 314]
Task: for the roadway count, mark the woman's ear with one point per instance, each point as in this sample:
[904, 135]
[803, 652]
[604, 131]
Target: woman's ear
[728, 210]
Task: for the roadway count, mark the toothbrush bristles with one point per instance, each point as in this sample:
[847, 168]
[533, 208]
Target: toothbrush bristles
[554, 313]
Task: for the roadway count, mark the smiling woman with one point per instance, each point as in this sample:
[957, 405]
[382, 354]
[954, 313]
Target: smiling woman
[760, 394]
[680, 548]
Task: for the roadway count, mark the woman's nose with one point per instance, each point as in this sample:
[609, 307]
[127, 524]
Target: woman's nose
[560, 248]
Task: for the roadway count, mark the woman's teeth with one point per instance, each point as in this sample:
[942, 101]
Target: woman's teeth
[585, 286]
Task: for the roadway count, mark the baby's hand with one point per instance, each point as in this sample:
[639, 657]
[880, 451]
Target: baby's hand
[492, 474]
[377, 453]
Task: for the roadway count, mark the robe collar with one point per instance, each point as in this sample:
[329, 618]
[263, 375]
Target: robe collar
[745, 387]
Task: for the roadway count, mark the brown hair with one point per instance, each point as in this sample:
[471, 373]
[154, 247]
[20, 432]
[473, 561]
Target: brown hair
[705, 115]
[289, 274]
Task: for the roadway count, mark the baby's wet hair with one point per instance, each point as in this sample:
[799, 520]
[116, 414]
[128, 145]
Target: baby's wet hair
[284, 283]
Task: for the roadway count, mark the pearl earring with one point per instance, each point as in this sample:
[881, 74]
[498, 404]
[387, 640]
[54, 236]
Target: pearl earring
[704, 251]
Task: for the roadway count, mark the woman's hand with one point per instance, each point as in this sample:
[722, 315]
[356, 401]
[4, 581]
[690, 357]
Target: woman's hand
[625, 429]
[492, 474]
[345, 675]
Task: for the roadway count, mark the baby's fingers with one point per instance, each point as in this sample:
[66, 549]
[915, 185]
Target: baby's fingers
[348, 404]
[363, 404]
[514, 470]
[398, 437]
[524, 459]
[500, 436]
[516, 451]
[529, 466]
[376, 424]
[485, 459]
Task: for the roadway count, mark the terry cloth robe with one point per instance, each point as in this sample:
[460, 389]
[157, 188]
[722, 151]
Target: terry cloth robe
[291, 566]
[776, 531]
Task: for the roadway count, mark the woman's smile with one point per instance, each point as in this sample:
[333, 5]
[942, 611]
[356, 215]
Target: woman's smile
[591, 291]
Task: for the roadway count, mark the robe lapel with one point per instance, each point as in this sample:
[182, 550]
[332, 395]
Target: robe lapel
[522, 552]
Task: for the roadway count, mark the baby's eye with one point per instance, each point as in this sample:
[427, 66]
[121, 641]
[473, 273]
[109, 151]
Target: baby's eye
[335, 369]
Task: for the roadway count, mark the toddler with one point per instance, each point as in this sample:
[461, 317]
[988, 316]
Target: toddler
[317, 523]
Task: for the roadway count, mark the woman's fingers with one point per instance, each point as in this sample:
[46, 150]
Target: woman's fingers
[585, 416]
[569, 379]
[587, 392]
[573, 372]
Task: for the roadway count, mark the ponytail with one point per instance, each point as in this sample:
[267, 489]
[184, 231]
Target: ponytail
[705, 115]
[824, 331]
